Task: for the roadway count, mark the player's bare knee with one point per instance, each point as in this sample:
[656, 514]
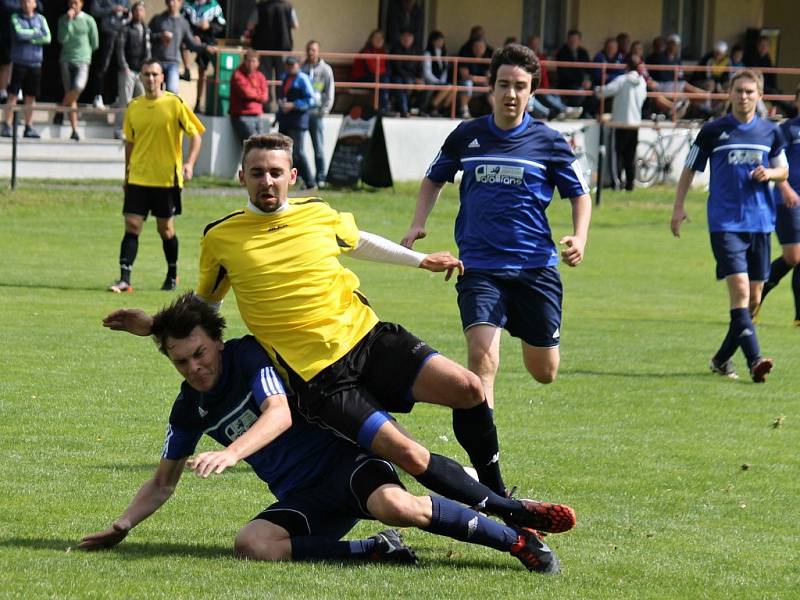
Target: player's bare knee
[470, 390]
[412, 458]
[250, 546]
[545, 376]
[393, 505]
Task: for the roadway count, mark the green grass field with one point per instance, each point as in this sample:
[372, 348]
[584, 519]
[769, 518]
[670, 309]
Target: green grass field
[685, 485]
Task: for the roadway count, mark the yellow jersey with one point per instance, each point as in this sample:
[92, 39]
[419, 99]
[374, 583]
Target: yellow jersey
[293, 293]
[156, 127]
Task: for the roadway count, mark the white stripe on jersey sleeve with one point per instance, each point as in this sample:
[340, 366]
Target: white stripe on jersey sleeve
[576, 167]
[692, 156]
[779, 160]
[271, 383]
[166, 442]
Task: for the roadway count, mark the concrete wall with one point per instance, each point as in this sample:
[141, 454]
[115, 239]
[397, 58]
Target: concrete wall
[641, 19]
[729, 19]
[456, 17]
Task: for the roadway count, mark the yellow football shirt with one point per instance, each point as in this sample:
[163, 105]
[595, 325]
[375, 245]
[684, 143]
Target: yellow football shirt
[293, 293]
[156, 128]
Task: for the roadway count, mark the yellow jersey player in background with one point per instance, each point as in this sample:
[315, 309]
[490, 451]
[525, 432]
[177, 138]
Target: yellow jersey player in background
[154, 170]
[347, 367]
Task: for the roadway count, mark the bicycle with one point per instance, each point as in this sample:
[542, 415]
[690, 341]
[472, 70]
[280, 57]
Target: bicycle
[654, 159]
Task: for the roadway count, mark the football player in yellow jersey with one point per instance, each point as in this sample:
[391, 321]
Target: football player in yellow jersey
[346, 367]
[154, 170]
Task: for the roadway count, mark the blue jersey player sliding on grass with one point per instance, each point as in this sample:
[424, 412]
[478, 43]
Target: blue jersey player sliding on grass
[322, 483]
[745, 153]
[511, 166]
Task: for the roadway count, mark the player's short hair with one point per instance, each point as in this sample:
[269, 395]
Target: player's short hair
[749, 74]
[516, 55]
[268, 141]
[178, 320]
[151, 61]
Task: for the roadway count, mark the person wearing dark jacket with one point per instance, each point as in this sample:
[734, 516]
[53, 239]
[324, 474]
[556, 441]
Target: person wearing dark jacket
[405, 71]
[133, 48]
[111, 16]
[270, 28]
[168, 31]
[295, 97]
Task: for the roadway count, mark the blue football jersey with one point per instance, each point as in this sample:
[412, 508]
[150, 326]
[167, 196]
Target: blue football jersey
[735, 202]
[228, 410]
[791, 135]
[507, 184]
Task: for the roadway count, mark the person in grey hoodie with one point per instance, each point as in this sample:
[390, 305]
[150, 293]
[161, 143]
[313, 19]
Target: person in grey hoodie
[321, 76]
[629, 92]
[168, 31]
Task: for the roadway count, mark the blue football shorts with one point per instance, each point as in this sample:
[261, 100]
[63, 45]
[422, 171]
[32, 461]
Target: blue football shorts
[526, 302]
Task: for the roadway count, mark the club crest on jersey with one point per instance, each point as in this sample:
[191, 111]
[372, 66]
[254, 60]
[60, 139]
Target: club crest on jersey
[237, 428]
[745, 157]
[499, 174]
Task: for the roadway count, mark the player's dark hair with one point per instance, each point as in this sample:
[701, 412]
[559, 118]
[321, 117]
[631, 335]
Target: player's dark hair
[268, 141]
[516, 55]
[151, 61]
[178, 320]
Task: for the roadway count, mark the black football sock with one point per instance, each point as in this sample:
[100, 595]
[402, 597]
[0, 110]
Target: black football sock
[777, 270]
[745, 333]
[170, 247]
[475, 431]
[464, 524]
[796, 291]
[314, 547]
[127, 255]
[447, 478]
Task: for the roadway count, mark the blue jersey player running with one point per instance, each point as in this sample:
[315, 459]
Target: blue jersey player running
[511, 166]
[323, 484]
[787, 218]
[745, 153]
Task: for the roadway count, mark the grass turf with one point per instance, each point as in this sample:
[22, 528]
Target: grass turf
[685, 484]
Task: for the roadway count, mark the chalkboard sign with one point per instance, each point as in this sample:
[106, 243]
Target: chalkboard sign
[360, 153]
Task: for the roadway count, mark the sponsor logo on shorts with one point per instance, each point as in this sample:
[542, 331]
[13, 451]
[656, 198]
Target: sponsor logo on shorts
[499, 174]
[745, 157]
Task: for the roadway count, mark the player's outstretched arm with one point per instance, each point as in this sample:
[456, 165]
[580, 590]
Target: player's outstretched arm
[426, 199]
[439, 262]
[150, 497]
[679, 214]
[575, 244]
[274, 420]
[132, 320]
[376, 248]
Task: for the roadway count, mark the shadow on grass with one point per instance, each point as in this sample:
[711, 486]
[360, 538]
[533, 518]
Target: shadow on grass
[681, 374]
[50, 286]
[243, 469]
[129, 550]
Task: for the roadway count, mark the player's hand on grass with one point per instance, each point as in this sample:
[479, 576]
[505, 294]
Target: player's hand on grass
[442, 261]
[413, 234]
[679, 215]
[107, 538]
[572, 251]
[132, 320]
[216, 462]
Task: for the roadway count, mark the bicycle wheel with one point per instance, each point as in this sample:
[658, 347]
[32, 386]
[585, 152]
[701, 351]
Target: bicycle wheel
[648, 161]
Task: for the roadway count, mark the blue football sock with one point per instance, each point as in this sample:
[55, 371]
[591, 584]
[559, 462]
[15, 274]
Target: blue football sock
[312, 547]
[461, 523]
[796, 290]
[745, 333]
[777, 270]
[729, 344]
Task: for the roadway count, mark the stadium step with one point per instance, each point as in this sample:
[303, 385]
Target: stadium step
[62, 158]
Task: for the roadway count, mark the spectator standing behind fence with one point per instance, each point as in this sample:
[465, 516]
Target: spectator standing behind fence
[321, 76]
[548, 105]
[111, 16]
[436, 71]
[609, 55]
[405, 71]
[168, 31]
[77, 34]
[295, 100]
[208, 24]
[133, 48]
[574, 78]
[29, 32]
[270, 28]
[249, 93]
[370, 69]
[629, 92]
